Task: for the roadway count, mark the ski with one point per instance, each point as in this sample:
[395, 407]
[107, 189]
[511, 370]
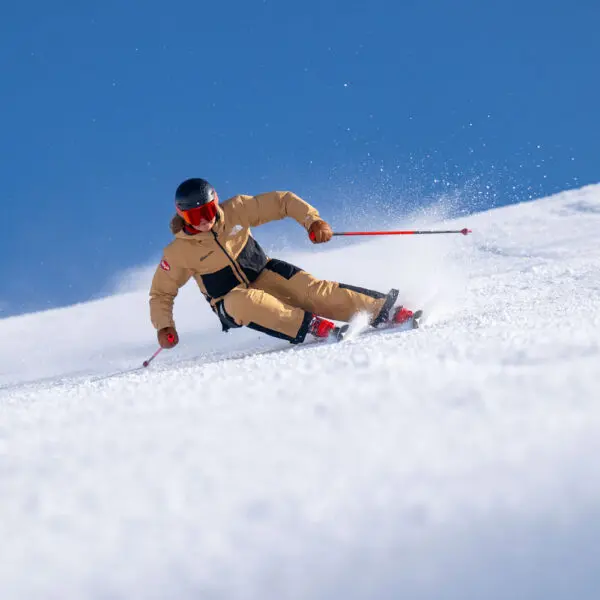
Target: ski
[340, 333]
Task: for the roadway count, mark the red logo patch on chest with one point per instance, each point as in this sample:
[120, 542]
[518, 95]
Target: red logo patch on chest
[164, 265]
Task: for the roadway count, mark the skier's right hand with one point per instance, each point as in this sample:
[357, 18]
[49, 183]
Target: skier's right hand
[167, 337]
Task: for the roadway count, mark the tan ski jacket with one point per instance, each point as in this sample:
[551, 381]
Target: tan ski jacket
[225, 257]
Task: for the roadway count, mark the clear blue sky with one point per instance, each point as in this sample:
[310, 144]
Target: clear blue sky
[107, 106]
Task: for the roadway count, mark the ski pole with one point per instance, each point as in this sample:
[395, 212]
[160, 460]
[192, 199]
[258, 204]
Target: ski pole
[171, 339]
[464, 231]
[147, 362]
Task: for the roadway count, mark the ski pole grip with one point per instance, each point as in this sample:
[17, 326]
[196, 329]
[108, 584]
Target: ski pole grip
[311, 235]
[171, 338]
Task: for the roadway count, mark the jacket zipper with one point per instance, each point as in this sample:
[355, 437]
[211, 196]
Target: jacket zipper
[235, 266]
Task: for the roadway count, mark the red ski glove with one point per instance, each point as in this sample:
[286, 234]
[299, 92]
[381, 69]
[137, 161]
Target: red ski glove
[320, 232]
[167, 337]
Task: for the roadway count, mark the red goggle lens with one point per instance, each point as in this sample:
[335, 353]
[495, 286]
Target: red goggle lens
[200, 214]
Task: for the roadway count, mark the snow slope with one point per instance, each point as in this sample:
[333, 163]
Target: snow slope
[458, 461]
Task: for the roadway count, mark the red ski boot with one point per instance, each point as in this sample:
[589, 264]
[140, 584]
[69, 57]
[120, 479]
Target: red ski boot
[321, 328]
[404, 315]
[401, 315]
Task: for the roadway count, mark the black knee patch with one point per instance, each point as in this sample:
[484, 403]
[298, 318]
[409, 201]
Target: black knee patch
[282, 336]
[365, 291]
[227, 321]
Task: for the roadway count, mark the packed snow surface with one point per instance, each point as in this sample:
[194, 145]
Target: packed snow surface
[460, 461]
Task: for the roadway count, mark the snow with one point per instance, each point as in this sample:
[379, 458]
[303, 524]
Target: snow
[457, 461]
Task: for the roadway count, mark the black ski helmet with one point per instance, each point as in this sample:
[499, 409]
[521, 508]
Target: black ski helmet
[193, 193]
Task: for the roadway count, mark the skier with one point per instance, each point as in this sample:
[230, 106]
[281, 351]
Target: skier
[214, 245]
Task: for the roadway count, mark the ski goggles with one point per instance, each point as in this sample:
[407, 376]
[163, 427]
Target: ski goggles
[199, 214]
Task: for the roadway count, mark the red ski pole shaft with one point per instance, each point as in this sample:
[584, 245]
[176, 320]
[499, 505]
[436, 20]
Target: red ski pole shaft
[464, 231]
[147, 362]
[171, 339]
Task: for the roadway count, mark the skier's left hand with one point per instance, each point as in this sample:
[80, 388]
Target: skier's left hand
[320, 232]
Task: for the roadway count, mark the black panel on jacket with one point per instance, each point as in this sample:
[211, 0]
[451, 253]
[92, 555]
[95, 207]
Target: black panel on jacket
[285, 269]
[220, 282]
[252, 259]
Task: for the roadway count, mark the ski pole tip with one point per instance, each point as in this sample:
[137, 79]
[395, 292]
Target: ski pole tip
[466, 231]
[145, 363]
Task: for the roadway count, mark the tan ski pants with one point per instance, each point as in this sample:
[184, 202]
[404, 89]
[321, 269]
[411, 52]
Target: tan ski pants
[283, 299]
